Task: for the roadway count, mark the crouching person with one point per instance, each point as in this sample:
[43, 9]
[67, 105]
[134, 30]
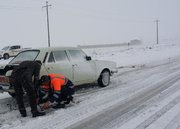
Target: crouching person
[56, 90]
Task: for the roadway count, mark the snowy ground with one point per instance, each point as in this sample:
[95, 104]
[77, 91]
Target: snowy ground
[144, 94]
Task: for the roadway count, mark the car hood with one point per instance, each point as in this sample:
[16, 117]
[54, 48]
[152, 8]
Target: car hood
[1, 51]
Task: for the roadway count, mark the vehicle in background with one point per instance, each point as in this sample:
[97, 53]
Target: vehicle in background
[69, 61]
[10, 51]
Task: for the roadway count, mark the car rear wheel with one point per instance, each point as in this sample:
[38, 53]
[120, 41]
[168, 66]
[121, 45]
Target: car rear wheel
[104, 78]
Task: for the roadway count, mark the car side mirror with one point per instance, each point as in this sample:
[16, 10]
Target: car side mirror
[88, 58]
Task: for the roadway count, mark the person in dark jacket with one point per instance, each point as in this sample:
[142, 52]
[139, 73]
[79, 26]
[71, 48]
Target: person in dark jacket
[58, 89]
[22, 77]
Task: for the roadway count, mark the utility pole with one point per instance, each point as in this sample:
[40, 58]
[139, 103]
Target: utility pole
[157, 30]
[47, 6]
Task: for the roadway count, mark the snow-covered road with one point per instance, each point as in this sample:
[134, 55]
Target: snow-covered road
[138, 96]
[144, 96]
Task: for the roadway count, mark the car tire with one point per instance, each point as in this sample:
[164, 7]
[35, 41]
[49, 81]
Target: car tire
[6, 56]
[104, 78]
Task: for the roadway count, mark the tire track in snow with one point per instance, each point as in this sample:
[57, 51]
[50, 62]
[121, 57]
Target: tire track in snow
[158, 114]
[164, 120]
[142, 109]
[175, 123]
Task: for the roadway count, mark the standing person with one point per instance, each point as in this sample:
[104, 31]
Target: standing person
[57, 88]
[22, 77]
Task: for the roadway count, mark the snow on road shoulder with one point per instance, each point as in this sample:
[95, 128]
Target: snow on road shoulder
[136, 55]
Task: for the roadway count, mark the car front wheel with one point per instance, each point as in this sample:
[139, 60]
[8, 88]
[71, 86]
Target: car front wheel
[104, 78]
[6, 56]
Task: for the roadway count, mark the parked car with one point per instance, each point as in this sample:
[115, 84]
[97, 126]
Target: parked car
[69, 61]
[10, 51]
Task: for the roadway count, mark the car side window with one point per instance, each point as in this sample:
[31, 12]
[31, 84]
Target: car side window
[77, 55]
[15, 47]
[12, 48]
[60, 55]
[51, 58]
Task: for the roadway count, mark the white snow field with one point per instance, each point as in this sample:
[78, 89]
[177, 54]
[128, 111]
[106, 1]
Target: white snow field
[144, 94]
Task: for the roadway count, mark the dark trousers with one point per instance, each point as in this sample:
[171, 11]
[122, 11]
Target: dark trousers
[67, 91]
[24, 81]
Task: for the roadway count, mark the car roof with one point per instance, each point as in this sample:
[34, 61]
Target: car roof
[56, 48]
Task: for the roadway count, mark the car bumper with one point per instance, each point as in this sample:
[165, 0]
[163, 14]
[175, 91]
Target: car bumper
[6, 89]
[114, 71]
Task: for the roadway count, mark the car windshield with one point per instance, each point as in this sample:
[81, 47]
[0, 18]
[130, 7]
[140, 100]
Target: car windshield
[25, 55]
[5, 48]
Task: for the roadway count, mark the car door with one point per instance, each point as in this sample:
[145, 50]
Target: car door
[58, 62]
[83, 69]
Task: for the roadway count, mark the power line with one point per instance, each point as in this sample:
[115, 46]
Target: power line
[47, 6]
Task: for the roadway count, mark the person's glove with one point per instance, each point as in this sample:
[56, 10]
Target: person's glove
[49, 104]
[46, 105]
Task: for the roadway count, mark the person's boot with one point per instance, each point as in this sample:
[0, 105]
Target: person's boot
[37, 113]
[59, 105]
[23, 112]
[69, 99]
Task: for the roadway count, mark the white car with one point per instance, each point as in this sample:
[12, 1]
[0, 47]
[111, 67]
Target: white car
[69, 61]
[10, 51]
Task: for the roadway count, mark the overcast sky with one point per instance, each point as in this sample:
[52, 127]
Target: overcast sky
[82, 22]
